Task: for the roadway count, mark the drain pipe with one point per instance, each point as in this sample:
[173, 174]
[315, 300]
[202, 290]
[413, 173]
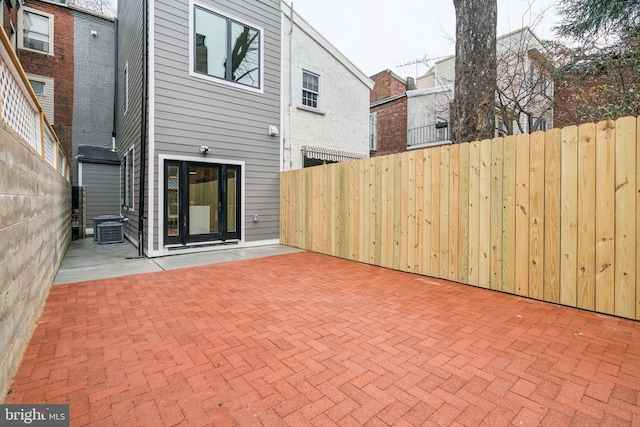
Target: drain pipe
[115, 85]
[143, 124]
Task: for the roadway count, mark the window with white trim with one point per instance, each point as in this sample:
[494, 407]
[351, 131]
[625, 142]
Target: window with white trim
[127, 180]
[35, 30]
[373, 131]
[125, 95]
[310, 90]
[226, 49]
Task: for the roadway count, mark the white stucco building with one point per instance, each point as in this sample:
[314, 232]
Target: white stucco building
[524, 98]
[325, 99]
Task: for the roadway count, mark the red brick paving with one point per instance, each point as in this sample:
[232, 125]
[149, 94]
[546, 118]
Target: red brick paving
[307, 339]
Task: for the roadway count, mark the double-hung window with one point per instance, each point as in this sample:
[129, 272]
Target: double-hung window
[36, 31]
[127, 181]
[310, 90]
[226, 49]
[373, 131]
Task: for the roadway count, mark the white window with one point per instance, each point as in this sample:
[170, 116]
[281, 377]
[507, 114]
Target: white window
[35, 30]
[225, 49]
[38, 87]
[373, 131]
[310, 90]
[127, 180]
[125, 95]
[44, 89]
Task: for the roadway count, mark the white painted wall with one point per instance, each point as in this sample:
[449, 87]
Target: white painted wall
[342, 119]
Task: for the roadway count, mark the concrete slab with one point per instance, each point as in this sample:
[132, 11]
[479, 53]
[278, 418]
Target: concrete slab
[85, 260]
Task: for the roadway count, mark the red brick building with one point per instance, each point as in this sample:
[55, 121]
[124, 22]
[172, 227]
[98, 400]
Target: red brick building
[45, 46]
[388, 113]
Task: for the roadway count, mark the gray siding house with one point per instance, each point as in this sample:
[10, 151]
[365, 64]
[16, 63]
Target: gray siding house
[209, 152]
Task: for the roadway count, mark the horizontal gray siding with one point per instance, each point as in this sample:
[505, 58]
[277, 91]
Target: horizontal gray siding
[128, 125]
[190, 112]
[102, 184]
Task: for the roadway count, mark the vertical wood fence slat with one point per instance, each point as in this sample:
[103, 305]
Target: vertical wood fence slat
[605, 217]
[586, 260]
[434, 191]
[569, 216]
[521, 285]
[473, 266]
[497, 158]
[536, 216]
[509, 215]
[420, 244]
[625, 219]
[444, 212]
[454, 226]
[484, 250]
[552, 162]
[463, 214]
[552, 215]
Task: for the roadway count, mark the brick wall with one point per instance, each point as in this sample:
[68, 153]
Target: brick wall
[35, 207]
[392, 127]
[59, 66]
[386, 84]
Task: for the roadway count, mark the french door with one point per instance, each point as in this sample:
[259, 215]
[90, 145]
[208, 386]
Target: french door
[202, 202]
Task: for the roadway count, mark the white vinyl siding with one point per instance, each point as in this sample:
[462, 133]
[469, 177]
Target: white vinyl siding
[43, 87]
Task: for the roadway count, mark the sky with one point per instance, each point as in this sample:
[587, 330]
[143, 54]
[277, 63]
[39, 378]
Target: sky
[379, 34]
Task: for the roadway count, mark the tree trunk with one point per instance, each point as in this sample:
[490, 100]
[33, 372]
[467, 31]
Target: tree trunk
[473, 108]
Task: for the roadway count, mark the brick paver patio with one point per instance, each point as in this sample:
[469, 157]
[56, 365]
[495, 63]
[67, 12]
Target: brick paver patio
[307, 339]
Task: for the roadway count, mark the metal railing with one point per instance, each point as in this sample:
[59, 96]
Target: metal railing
[427, 135]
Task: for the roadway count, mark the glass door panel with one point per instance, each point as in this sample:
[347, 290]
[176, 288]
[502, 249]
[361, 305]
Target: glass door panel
[173, 200]
[203, 199]
[232, 202]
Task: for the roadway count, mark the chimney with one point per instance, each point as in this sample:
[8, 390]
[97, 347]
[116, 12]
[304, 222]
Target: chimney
[411, 83]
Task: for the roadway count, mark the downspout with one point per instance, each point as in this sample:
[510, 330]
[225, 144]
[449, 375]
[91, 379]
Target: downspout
[284, 148]
[115, 84]
[143, 124]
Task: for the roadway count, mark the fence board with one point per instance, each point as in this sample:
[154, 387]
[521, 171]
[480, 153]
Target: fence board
[536, 216]
[521, 285]
[484, 249]
[376, 194]
[509, 215]
[569, 216]
[463, 214]
[422, 244]
[552, 162]
[454, 188]
[434, 192]
[473, 267]
[625, 219]
[605, 217]
[586, 260]
[444, 212]
[410, 218]
[497, 159]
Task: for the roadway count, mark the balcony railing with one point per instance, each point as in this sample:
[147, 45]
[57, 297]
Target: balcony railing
[428, 135]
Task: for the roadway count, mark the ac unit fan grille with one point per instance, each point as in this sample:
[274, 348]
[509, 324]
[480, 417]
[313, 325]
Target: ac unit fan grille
[110, 232]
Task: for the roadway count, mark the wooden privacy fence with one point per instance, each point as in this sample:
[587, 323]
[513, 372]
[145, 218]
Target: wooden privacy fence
[551, 216]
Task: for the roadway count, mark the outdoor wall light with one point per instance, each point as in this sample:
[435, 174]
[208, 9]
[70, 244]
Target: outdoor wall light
[204, 150]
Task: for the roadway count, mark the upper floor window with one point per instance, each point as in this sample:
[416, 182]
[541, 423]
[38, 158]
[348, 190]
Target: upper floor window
[310, 89]
[36, 31]
[226, 49]
[373, 131]
[125, 94]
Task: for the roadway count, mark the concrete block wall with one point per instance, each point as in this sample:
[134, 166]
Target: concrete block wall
[35, 232]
